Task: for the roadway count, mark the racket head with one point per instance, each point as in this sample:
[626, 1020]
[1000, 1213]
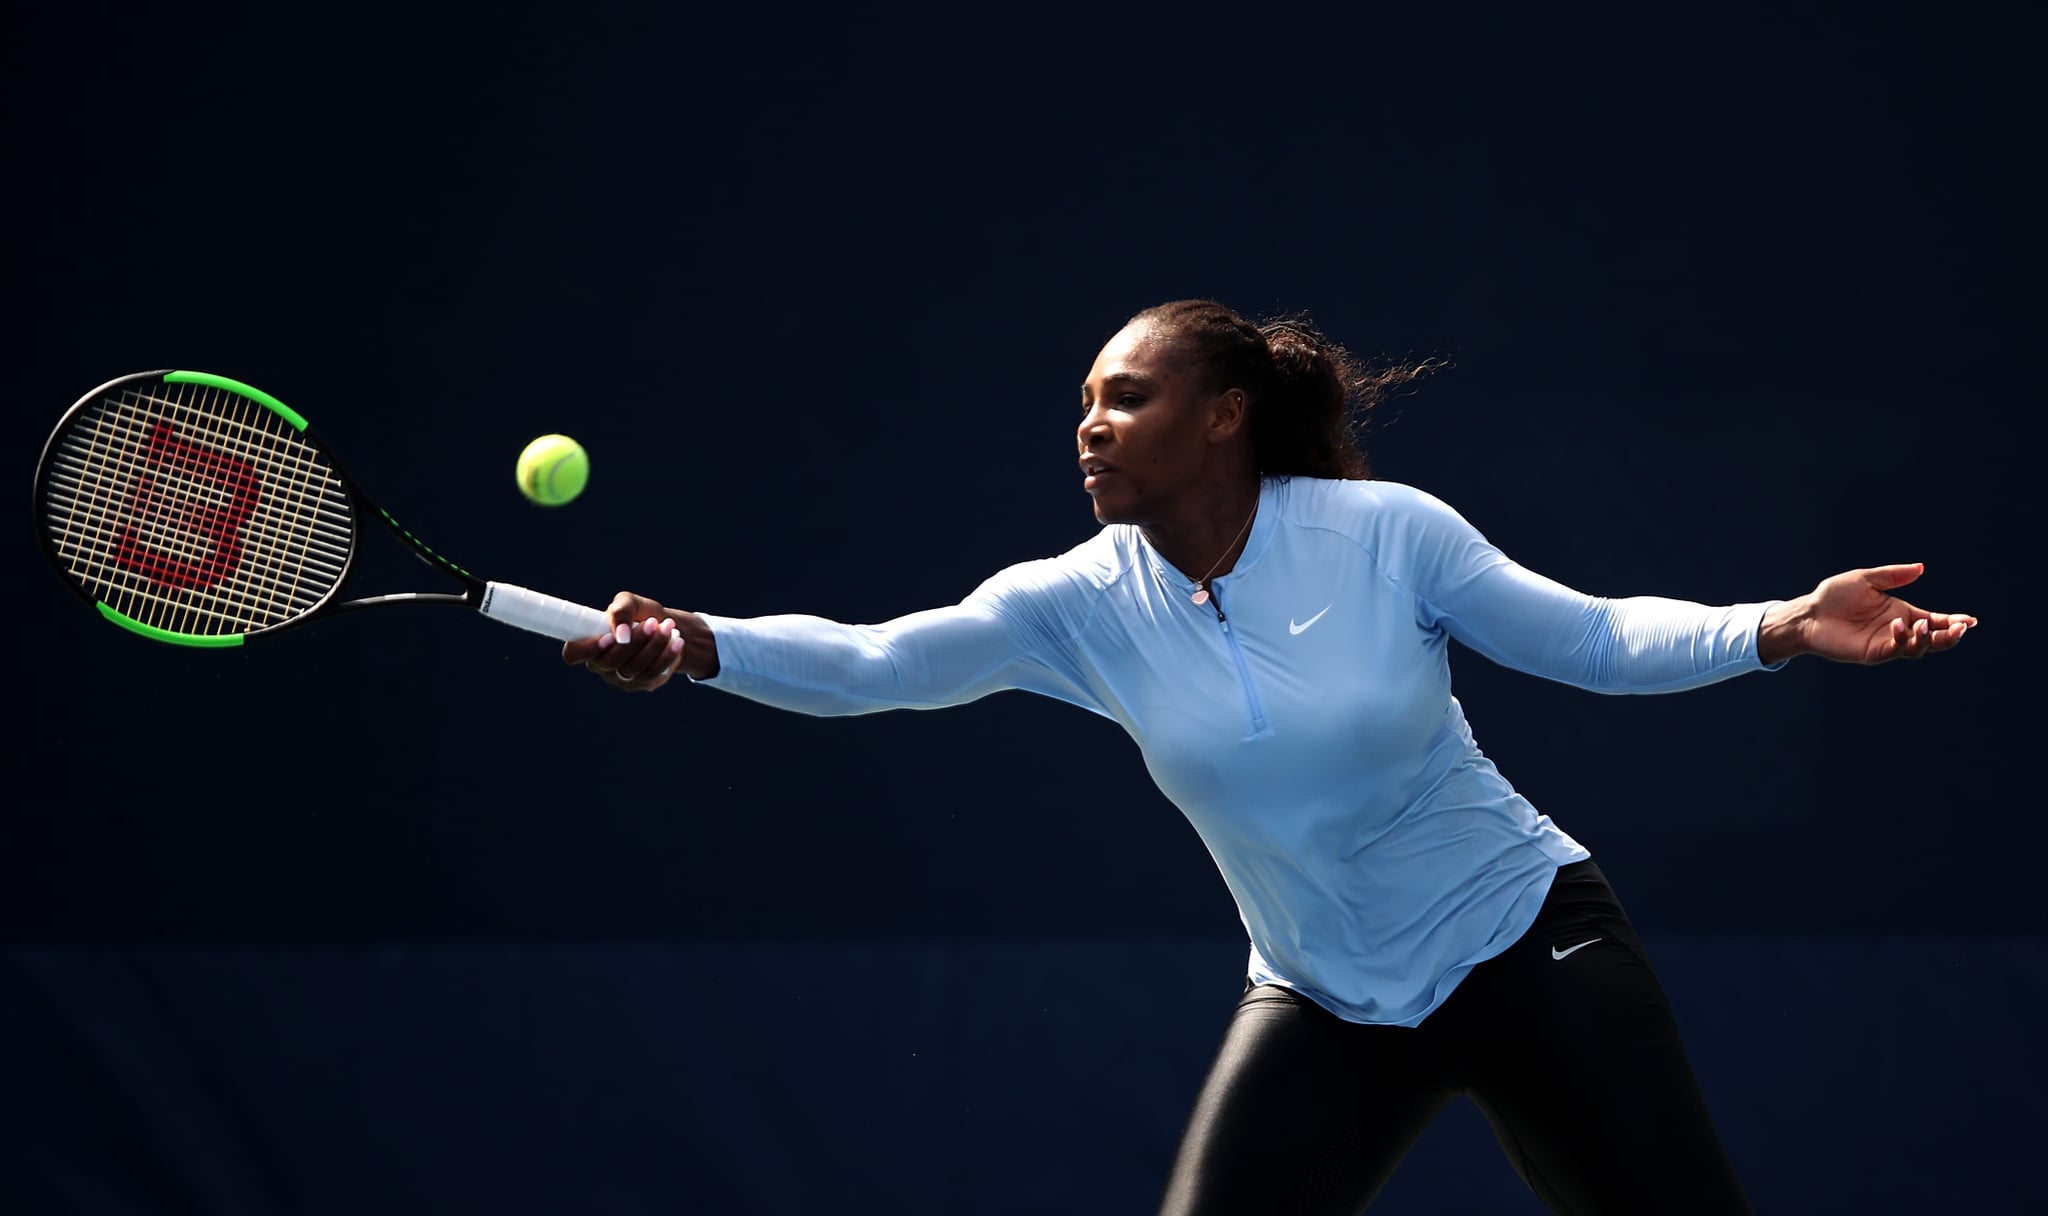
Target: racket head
[193, 509]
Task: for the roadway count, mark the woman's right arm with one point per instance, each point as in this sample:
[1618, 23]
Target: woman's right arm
[925, 660]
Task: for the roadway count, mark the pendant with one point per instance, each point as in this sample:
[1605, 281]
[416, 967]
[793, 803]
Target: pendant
[1201, 596]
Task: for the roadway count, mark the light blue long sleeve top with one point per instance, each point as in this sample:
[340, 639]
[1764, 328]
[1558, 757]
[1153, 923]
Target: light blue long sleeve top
[1307, 729]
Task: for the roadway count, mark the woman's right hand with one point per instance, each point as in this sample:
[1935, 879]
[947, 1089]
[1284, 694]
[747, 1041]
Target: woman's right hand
[645, 648]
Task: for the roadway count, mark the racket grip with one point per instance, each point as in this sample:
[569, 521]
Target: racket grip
[543, 614]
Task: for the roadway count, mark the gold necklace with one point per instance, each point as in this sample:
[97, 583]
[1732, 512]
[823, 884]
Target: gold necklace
[1201, 595]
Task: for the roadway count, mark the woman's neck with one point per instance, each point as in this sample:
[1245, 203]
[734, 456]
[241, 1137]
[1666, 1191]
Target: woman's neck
[1205, 543]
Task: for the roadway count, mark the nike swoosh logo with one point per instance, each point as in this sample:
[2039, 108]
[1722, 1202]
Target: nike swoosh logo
[1303, 627]
[1557, 953]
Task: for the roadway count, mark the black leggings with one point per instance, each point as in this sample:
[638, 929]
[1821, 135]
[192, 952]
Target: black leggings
[1575, 1060]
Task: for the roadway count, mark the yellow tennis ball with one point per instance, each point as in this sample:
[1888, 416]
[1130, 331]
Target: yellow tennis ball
[553, 470]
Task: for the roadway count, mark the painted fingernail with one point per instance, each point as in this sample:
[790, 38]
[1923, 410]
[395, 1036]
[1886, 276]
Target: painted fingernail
[623, 633]
[604, 642]
[675, 644]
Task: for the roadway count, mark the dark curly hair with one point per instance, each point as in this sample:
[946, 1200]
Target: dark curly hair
[1309, 397]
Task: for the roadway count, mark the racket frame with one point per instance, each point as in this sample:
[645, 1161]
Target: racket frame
[513, 605]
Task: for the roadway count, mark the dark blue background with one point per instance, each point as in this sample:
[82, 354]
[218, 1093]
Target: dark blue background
[392, 910]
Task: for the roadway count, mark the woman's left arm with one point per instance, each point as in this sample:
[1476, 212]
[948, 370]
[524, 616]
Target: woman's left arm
[1641, 643]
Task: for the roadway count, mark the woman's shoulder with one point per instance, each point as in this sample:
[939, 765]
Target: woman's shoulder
[1410, 533]
[1092, 566]
[1357, 505]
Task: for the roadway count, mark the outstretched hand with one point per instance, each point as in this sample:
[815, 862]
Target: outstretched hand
[1853, 617]
[643, 651]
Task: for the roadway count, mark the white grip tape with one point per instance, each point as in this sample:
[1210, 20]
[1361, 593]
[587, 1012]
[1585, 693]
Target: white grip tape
[542, 613]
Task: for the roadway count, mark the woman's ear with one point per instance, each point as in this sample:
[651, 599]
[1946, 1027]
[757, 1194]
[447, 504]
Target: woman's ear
[1227, 415]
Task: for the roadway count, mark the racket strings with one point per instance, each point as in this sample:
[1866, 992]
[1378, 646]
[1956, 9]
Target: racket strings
[177, 515]
[196, 510]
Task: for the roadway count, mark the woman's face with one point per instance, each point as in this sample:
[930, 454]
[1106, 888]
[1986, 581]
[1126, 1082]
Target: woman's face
[1147, 431]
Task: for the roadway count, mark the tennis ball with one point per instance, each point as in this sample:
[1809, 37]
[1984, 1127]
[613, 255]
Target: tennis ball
[553, 470]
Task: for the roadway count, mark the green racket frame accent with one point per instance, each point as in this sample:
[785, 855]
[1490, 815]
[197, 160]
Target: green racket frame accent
[257, 395]
[208, 641]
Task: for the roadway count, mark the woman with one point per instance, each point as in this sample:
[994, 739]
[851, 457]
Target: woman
[1271, 626]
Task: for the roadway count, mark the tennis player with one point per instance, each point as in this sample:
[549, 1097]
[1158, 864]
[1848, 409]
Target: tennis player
[1272, 625]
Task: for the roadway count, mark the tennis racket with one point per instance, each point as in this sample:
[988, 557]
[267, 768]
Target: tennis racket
[193, 509]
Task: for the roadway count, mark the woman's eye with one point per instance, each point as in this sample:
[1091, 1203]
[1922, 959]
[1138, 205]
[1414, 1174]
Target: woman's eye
[1122, 401]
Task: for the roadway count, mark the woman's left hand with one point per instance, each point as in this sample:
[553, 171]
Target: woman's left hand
[1853, 617]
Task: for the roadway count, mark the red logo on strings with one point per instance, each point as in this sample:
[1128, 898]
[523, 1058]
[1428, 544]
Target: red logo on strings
[190, 497]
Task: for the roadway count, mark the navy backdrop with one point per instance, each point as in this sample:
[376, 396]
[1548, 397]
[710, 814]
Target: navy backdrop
[398, 913]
